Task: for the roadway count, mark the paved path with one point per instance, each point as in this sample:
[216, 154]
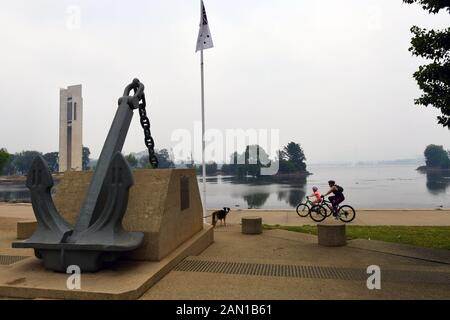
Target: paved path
[287, 265]
[280, 264]
[407, 217]
[20, 211]
[366, 217]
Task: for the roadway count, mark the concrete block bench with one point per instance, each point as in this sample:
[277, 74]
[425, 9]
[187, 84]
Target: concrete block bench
[25, 229]
[252, 225]
[332, 233]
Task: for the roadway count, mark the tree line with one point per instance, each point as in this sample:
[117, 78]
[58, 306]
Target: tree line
[20, 163]
[291, 159]
[164, 160]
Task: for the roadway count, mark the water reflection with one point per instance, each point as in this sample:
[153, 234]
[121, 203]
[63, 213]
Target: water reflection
[289, 190]
[293, 197]
[255, 193]
[256, 200]
[366, 187]
[438, 182]
[14, 192]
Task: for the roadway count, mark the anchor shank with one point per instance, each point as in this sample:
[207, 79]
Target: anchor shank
[113, 144]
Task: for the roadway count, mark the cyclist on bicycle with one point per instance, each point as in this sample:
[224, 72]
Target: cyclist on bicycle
[317, 195]
[337, 198]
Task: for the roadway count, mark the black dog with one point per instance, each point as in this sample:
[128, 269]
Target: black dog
[220, 215]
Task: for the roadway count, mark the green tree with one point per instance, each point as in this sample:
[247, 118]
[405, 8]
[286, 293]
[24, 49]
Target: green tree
[144, 162]
[255, 158]
[22, 161]
[286, 167]
[4, 159]
[231, 168]
[293, 154]
[9, 168]
[52, 160]
[436, 157]
[433, 6]
[211, 168]
[163, 158]
[85, 160]
[433, 78]
[132, 160]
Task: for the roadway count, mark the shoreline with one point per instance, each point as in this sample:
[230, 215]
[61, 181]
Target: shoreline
[356, 209]
[289, 217]
[28, 204]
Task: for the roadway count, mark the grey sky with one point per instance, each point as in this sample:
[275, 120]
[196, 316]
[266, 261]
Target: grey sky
[335, 76]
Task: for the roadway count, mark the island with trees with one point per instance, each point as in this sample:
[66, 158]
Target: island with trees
[437, 159]
[291, 161]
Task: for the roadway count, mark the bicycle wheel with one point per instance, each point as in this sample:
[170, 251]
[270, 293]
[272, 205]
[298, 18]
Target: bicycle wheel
[318, 213]
[303, 210]
[347, 213]
[328, 210]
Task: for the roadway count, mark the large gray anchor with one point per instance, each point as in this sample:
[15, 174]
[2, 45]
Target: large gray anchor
[98, 236]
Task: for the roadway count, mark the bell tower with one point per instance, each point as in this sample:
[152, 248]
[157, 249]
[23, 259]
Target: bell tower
[71, 129]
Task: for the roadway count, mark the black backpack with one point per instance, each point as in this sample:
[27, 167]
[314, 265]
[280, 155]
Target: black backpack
[339, 189]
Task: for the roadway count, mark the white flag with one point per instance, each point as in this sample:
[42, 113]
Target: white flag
[204, 40]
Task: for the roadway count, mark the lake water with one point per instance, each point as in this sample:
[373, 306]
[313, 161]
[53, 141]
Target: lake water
[377, 186]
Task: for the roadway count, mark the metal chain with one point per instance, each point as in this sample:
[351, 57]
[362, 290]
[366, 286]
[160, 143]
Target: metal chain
[149, 142]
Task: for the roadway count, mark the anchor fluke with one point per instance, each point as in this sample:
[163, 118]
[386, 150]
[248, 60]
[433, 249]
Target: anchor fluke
[51, 228]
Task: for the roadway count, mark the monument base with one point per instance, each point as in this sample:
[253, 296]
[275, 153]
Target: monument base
[164, 205]
[127, 280]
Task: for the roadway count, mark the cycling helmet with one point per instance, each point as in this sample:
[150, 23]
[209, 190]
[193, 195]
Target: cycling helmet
[315, 189]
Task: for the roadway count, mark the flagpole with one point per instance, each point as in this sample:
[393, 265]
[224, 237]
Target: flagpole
[205, 212]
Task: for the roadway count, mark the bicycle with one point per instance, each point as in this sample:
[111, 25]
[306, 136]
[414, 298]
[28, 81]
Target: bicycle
[305, 208]
[345, 213]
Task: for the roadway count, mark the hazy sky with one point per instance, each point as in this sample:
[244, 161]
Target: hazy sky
[335, 76]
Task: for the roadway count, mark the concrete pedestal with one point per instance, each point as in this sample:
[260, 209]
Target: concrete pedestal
[25, 229]
[252, 225]
[128, 280]
[332, 234]
[164, 204]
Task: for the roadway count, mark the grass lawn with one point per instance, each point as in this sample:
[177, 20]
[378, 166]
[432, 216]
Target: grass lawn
[432, 237]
